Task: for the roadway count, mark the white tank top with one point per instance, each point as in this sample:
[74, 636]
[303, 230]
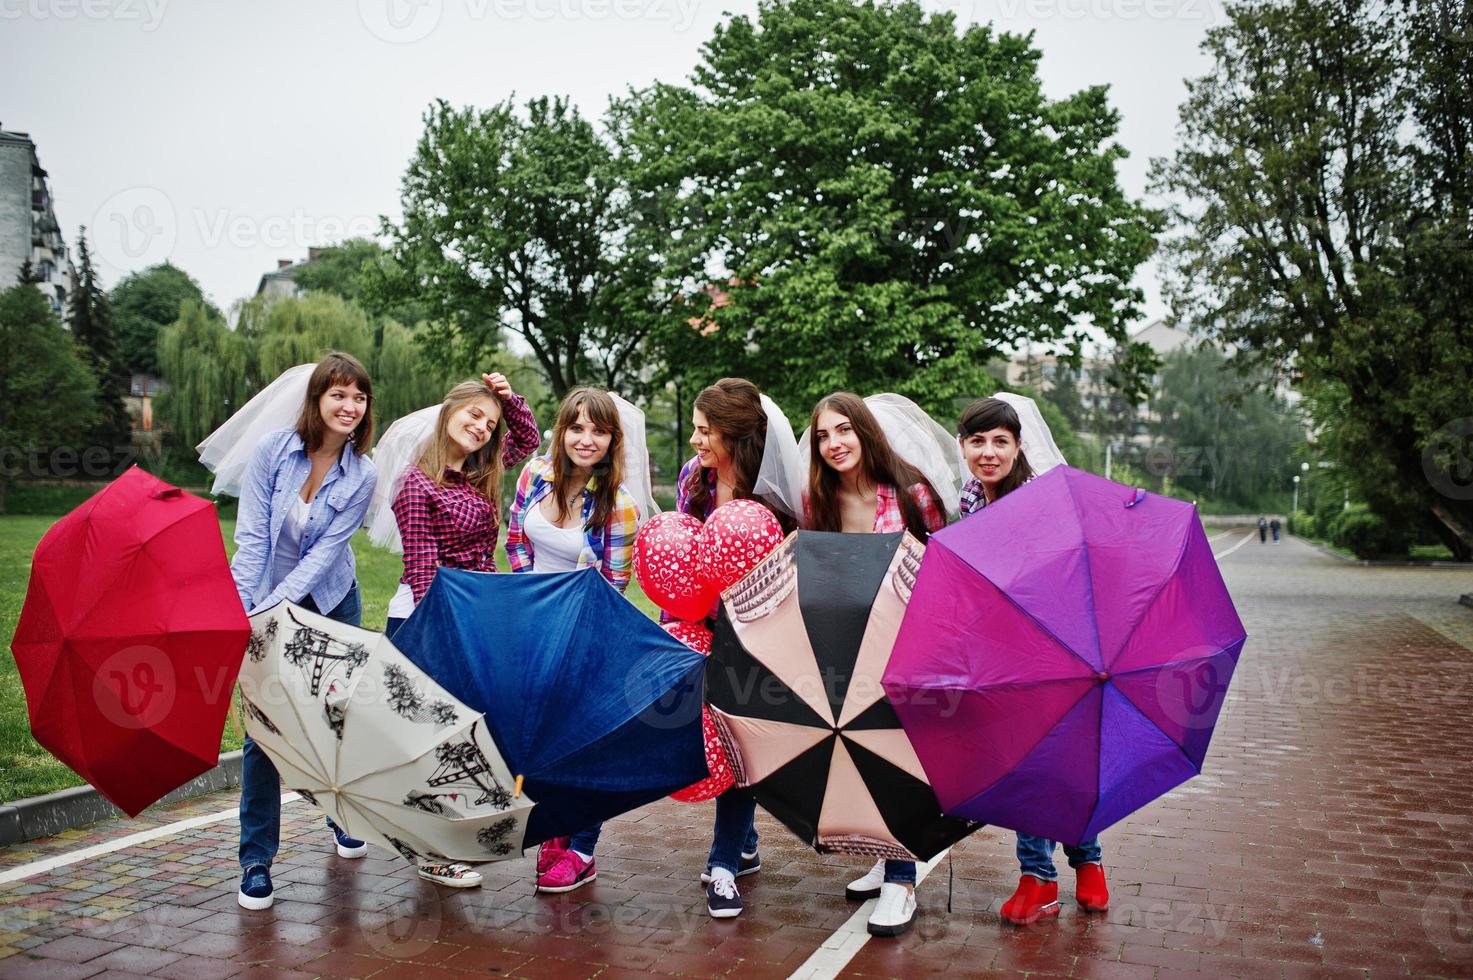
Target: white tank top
[554, 549]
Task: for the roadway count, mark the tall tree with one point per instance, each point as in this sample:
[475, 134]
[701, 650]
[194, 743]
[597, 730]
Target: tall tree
[361, 270]
[47, 395]
[91, 322]
[882, 202]
[144, 303]
[1327, 163]
[517, 222]
[209, 371]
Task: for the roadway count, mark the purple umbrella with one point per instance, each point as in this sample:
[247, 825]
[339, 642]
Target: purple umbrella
[1064, 656]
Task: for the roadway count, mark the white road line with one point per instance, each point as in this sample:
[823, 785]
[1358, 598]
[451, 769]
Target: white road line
[837, 950]
[143, 836]
[1223, 554]
[1224, 534]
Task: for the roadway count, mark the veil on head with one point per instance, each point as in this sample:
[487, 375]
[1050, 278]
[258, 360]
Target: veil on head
[919, 440]
[780, 477]
[1036, 441]
[636, 458]
[227, 451]
[398, 449]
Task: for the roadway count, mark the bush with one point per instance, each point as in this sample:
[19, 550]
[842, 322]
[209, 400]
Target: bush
[1366, 535]
[1301, 525]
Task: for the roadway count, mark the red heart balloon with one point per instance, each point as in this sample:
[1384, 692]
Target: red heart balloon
[698, 638]
[666, 564]
[737, 536]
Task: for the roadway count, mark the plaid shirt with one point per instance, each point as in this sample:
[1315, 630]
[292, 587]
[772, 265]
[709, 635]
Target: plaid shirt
[454, 525]
[973, 499]
[610, 548]
[889, 517]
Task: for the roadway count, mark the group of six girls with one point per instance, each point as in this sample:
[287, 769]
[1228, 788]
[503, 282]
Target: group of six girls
[309, 486]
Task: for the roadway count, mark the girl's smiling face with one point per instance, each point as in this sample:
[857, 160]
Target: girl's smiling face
[990, 455]
[473, 424]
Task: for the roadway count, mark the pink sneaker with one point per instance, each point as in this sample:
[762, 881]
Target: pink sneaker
[549, 852]
[570, 872]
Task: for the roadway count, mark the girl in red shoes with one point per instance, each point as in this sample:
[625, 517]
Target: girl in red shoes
[858, 483]
[576, 506]
[1006, 443]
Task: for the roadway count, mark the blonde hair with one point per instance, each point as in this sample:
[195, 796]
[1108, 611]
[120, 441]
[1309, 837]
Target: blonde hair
[482, 468]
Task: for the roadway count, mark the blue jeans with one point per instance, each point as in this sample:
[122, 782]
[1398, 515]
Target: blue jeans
[1036, 855]
[584, 841]
[900, 872]
[260, 786]
[735, 830]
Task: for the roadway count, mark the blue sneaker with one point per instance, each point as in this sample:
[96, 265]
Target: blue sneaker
[348, 847]
[255, 888]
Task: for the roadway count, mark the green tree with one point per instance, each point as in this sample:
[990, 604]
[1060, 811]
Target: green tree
[517, 222]
[91, 320]
[361, 271]
[47, 395]
[1217, 437]
[1328, 167]
[886, 203]
[144, 303]
[209, 371]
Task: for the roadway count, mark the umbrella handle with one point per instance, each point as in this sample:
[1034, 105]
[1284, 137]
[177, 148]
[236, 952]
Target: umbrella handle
[517, 790]
[1137, 497]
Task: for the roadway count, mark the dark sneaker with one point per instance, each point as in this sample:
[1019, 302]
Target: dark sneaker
[749, 864]
[255, 888]
[722, 899]
[348, 847]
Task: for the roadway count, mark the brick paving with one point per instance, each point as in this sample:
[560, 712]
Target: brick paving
[1330, 837]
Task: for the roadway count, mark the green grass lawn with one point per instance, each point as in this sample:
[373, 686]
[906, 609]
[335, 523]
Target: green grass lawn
[26, 769]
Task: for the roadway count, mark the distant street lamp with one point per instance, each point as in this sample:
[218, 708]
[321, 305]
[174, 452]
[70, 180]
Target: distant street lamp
[1296, 494]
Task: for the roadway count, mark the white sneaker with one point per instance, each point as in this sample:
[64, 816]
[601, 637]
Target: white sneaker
[895, 912]
[451, 875]
[868, 886]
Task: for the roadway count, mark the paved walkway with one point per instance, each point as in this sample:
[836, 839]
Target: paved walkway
[1330, 837]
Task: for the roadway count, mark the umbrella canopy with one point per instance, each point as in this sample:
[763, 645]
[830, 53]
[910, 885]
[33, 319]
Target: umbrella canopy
[130, 639]
[794, 688]
[1065, 655]
[595, 705]
[364, 734]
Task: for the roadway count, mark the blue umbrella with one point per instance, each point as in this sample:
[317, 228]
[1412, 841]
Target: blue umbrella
[595, 706]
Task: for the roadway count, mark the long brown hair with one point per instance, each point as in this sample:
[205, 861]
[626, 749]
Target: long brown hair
[335, 369]
[733, 408]
[986, 414]
[610, 470]
[881, 465]
[482, 468]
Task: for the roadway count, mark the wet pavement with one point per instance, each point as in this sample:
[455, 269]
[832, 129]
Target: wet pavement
[1330, 836]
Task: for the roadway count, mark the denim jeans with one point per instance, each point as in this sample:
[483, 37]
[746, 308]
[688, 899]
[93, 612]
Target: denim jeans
[1036, 855]
[900, 872]
[584, 841]
[735, 830]
[260, 786]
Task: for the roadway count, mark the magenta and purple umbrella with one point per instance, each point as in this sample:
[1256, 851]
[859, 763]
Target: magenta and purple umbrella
[1065, 655]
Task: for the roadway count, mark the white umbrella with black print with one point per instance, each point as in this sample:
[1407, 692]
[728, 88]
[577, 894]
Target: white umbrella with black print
[372, 740]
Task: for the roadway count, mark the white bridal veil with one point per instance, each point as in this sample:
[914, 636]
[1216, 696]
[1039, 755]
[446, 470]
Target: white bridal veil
[227, 451]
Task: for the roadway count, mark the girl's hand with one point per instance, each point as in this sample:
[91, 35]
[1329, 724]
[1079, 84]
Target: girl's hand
[497, 382]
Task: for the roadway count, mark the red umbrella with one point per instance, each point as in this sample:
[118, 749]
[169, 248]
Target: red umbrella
[130, 639]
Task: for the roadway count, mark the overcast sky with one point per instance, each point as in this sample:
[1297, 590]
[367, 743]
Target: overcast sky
[225, 136]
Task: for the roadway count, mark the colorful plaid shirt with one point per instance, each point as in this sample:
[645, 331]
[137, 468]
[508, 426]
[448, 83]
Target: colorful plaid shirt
[454, 524]
[610, 548]
[889, 517]
[973, 499]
